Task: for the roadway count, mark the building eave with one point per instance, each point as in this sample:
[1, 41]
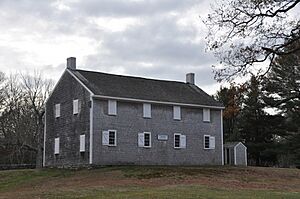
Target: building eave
[156, 102]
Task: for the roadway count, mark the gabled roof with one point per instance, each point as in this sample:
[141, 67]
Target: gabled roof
[232, 144]
[144, 89]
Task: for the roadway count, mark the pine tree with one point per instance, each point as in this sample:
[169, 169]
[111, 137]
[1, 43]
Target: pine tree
[258, 128]
[282, 90]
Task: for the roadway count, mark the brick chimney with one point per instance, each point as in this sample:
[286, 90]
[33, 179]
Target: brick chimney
[71, 63]
[190, 78]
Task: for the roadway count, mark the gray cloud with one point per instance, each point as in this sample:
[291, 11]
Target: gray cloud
[127, 8]
[159, 42]
[157, 46]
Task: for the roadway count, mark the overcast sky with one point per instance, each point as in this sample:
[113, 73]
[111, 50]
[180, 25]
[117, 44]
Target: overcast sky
[153, 38]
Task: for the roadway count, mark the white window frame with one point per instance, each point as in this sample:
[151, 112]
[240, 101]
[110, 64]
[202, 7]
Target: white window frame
[141, 143]
[147, 110]
[105, 137]
[56, 146]
[181, 138]
[75, 106]
[115, 137]
[112, 107]
[177, 134]
[176, 112]
[206, 115]
[150, 144]
[82, 143]
[211, 142]
[57, 110]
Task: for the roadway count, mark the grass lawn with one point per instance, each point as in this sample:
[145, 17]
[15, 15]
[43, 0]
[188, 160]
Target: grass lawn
[152, 182]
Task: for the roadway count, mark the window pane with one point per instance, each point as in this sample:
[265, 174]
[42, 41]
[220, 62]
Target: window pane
[206, 142]
[111, 138]
[147, 139]
[177, 141]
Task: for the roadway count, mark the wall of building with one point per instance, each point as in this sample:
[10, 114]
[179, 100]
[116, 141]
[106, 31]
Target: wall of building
[67, 127]
[229, 156]
[129, 122]
[241, 155]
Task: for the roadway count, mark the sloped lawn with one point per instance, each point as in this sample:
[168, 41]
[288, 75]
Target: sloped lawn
[152, 182]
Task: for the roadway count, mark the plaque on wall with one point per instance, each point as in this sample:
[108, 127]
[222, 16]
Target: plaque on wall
[162, 137]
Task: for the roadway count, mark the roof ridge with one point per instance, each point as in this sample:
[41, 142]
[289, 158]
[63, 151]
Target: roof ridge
[133, 77]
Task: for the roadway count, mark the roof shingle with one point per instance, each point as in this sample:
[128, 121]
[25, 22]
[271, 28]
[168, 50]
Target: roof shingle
[144, 89]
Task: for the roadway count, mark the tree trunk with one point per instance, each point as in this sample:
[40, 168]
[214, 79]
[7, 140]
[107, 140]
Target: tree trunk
[40, 143]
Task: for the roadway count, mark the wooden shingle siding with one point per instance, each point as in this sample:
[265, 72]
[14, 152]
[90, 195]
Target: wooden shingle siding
[68, 127]
[130, 125]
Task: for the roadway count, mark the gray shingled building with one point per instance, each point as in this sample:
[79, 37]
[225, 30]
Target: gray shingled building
[104, 119]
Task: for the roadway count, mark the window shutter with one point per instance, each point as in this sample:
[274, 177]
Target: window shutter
[183, 141]
[112, 107]
[211, 142]
[105, 138]
[147, 110]
[57, 110]
[206, 115]
[75, 107]
[176, 113]
[56, 146]
[82, 143]
[141, 139]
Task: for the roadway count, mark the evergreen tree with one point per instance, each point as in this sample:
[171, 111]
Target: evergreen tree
[257, 127]
[282, 90]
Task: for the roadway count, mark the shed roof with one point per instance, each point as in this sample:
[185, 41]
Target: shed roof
[232, 144]
[145, 89]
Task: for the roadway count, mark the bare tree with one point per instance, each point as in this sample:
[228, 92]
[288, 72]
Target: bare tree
[244, 34]
[2, 86]
[23, 100]
[37, 90]
[12, 121]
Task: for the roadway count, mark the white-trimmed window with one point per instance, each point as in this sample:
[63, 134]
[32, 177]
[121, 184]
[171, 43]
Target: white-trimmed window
[112, 107]
[179, 141]
[109, 138]
[176, 113]
[209, 142]
[82, 143]
[206, 115]
[146, 110]
[75, 106]
[57, 110]
[56, 146]
[144, 139]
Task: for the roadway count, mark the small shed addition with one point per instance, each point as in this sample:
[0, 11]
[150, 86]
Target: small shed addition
[235, 153]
